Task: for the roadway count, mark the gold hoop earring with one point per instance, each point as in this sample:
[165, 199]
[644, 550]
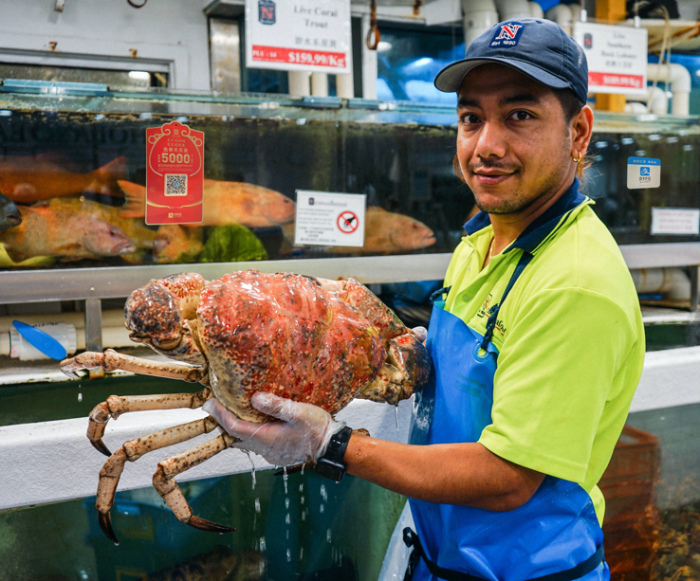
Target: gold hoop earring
[577, 159]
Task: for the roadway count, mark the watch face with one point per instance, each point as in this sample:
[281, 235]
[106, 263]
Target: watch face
[329, 469]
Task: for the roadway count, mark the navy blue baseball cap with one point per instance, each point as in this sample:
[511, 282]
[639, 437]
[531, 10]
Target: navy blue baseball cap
[537, 48]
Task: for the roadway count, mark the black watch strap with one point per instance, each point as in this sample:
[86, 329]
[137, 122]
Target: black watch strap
[331, 464]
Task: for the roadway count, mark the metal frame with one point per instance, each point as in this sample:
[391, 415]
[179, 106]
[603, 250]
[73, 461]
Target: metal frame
[116, 282]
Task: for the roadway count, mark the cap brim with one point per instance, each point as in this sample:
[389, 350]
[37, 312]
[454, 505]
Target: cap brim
[450, 79]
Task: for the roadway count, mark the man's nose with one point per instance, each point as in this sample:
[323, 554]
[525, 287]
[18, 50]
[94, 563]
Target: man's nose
[492, 141]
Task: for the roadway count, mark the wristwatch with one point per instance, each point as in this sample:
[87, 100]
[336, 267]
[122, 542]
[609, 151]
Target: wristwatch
[331, 465]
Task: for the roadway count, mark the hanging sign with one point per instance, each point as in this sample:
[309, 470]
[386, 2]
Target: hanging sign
[643, 172]
[174, 174]
[616, 55]
[678, 221]
[329, 219]
[298, 35]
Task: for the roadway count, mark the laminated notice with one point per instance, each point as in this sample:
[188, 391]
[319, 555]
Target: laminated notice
[174, 174]
[643, 172]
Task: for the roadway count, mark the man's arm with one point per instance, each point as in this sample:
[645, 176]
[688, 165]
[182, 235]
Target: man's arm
[466, 474]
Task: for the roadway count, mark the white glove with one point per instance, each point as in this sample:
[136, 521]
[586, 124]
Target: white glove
[421, 333]
[301, 434]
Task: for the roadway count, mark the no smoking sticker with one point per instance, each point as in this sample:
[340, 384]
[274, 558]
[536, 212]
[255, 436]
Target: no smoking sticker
[347, 222]
[329, 219]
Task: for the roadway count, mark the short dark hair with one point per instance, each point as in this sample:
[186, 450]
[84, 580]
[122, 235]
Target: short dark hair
[569, 103]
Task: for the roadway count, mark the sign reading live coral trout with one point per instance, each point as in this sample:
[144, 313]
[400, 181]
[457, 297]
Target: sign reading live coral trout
[174, 174]
[298, 35]
[616, 55]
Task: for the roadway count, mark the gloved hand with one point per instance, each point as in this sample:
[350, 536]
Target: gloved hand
[302, 433]
[421, 333]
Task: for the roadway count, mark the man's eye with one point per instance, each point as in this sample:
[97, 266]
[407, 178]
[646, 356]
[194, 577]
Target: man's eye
[469, 118]
[520, 116]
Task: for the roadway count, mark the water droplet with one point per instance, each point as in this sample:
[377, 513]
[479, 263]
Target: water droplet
[322, 508]
[328, 535]
[80, 397]
[301, 554]
[288, 519]
[289, 555]
[302, 468]
[285, 477]
[324, 494]
[263, 545]
[257, 505]
[286, 502]
[396, 415]
[287, 534]
[301, 487]
[303, 516]
[252, 467]
[302, 499]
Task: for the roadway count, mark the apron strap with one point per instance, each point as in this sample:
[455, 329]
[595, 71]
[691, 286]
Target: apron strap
[493, 311]
[410, 538]
[434, 296]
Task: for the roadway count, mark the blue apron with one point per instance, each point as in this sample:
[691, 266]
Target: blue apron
[554, 536]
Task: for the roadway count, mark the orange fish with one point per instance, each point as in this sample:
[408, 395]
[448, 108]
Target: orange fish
[175, 243]
[385, 233]
[70, 235]
[224, 203]
[27, 179]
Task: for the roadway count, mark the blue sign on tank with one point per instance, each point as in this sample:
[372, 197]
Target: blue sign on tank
[643, 161]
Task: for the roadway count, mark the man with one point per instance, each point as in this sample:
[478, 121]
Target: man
[537, 346]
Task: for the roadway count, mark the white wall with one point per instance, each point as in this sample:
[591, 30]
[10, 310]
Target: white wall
[163, 31]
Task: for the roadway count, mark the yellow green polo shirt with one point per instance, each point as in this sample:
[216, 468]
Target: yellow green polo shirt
[570, 339]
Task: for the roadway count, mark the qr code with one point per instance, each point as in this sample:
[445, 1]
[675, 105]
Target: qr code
[175, 184]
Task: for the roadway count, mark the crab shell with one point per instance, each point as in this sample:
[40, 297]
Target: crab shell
[309, 340]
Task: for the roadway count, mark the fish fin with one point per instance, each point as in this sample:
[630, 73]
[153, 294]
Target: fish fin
[135, 205]
[107, 176]
[24, 192]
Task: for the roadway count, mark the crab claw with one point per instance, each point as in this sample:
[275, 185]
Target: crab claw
[105, 521]
[100, 446]
[207, 525]
[86, 360]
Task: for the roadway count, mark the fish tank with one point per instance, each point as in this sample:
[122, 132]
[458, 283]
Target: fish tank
[74, 160]
[74, 236]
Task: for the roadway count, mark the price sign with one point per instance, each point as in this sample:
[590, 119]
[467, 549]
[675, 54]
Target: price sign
[174, 174]
[298, 35]
[616, 55]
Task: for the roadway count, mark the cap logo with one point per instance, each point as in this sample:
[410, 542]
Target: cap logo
[507, 35]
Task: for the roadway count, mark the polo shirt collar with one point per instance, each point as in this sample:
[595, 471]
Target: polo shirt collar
[540, 228]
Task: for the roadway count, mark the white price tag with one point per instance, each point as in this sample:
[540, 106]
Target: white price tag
[298, 35]
[643, 172]
[329, 219]
[678, 221]
[616, 55]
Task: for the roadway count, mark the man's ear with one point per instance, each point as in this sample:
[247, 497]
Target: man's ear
[581, 130]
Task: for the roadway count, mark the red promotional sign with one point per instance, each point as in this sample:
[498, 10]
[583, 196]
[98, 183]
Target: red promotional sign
[299, 56]
[616, 80]
[174, 174]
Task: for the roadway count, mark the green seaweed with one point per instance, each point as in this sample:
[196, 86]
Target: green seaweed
[232, 243]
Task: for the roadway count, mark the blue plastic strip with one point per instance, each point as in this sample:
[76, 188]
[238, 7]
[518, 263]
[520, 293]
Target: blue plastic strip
[41, 341]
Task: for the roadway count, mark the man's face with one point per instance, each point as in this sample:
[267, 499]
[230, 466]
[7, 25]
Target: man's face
[513, 145]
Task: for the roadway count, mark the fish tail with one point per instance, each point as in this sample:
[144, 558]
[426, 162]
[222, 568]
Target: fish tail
[135, 205]
[106, 177]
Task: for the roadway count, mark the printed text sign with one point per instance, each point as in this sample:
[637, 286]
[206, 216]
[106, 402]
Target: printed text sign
[298, 35]
[174, 174]
[616, 55]
[329, 219]
[643, 172]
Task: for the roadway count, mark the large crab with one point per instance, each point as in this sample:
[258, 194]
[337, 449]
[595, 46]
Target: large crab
[311, 340]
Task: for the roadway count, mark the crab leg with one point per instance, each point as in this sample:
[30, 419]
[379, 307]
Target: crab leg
[133, 450]
[164, 482]
[112, 360]
[115, 405]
